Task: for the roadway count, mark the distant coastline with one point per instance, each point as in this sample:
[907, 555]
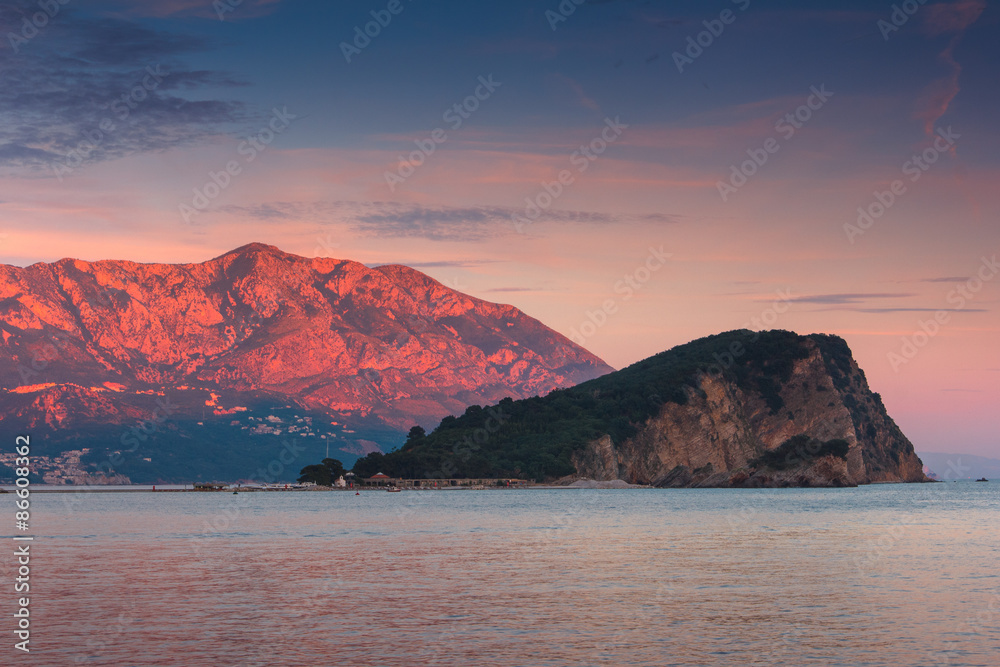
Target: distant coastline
[189, 488]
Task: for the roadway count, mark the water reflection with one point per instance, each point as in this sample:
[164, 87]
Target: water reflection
[879, 575]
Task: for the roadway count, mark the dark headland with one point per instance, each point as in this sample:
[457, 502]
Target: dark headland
[739, 409]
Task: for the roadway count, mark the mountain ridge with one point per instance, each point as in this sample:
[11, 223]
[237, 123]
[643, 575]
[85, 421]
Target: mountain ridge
[380, 346]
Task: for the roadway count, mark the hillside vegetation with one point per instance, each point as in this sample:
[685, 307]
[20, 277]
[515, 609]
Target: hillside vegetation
[535, 438]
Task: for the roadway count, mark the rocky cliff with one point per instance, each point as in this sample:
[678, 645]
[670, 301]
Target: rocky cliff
[722, 434]
[737, 409]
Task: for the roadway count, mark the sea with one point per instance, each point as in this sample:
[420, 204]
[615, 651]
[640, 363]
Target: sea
[876, 575]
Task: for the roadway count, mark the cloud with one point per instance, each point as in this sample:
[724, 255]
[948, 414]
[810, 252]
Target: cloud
[87, 90]
[952, 17]
[436, 223]
[447, 264]
[585, 100]
[855, 302]
[947, 279]
[848, 299]
[919, 310]
[512, 289]
[241, 9]
[946, 18]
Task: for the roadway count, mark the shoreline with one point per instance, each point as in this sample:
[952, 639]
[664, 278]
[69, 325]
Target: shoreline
[4, 489]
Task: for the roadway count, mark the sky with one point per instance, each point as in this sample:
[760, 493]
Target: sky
[635, 174]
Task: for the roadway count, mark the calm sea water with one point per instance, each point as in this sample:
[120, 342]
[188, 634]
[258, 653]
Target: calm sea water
[881, 575]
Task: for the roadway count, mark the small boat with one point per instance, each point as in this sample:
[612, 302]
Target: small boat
[394, 489]
[982, 479]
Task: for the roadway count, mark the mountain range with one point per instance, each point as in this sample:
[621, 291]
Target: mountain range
[179, 372]
[258, 362]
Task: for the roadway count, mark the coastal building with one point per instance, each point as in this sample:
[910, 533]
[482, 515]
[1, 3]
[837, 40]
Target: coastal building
[379, 479]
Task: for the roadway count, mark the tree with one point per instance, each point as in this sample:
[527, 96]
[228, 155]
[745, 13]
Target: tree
[317, 473]
[416, 434]
[370, 465]
[324, 474]
[336, 468]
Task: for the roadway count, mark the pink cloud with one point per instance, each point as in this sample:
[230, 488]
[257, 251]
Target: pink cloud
[585, 101]
[952, 17]
[939, 19]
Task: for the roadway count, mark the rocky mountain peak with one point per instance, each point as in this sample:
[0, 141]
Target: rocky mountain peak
[388, 344]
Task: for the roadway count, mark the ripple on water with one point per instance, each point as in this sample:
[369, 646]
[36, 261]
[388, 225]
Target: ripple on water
[596, 577]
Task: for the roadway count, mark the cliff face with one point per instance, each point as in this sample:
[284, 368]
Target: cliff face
[722, 434]
[740, 408]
